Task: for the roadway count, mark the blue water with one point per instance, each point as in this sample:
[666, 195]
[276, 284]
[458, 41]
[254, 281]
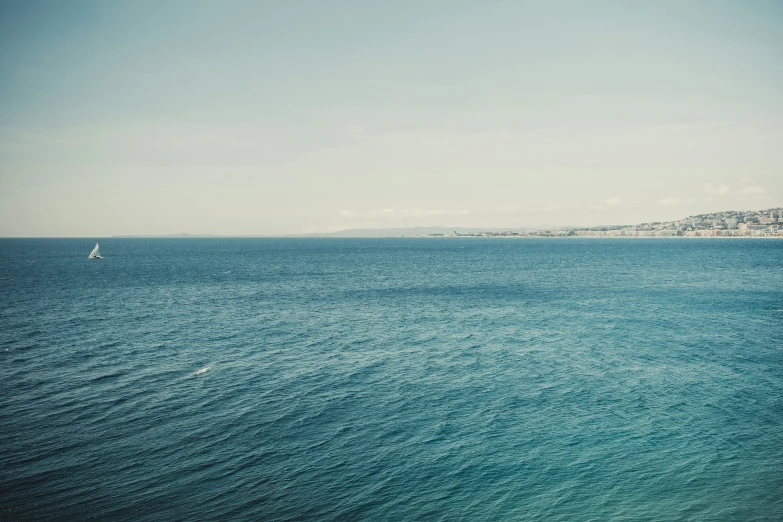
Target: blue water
[396, 379]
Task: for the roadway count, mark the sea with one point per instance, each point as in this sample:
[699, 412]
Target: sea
[400, 379]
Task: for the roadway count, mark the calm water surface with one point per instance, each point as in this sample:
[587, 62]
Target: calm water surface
[402, 379]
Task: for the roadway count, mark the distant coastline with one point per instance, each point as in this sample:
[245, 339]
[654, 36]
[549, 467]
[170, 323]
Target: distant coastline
[730, 223]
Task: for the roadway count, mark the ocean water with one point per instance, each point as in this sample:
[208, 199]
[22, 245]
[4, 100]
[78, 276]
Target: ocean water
[391, 379]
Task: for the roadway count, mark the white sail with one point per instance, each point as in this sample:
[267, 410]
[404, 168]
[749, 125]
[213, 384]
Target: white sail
[96, 253]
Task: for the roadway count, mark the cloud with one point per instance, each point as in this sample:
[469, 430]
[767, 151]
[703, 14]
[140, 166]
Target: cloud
[381, 212]
[715, 193]
[391, 213]
[355, 130]
[409, 212]
[752, 190]
[608, 203]
[717, 190]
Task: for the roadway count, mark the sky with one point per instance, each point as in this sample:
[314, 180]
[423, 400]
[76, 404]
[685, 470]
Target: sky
[256, 118]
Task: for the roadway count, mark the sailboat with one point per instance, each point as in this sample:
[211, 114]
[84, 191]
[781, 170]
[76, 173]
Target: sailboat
[96, 253]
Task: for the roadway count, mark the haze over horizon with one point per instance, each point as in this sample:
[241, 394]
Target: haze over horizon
[262, 118]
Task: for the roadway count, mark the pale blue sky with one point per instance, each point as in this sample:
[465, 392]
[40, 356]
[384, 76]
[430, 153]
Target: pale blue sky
[290, 117]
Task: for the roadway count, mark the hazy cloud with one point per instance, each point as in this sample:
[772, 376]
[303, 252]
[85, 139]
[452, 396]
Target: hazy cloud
[608, 203]
[391, 213]
[753, 190]
[717, 190]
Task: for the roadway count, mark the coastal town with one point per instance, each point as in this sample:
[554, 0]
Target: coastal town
[730, 223]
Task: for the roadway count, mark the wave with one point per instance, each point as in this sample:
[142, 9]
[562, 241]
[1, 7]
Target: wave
[199, 371]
